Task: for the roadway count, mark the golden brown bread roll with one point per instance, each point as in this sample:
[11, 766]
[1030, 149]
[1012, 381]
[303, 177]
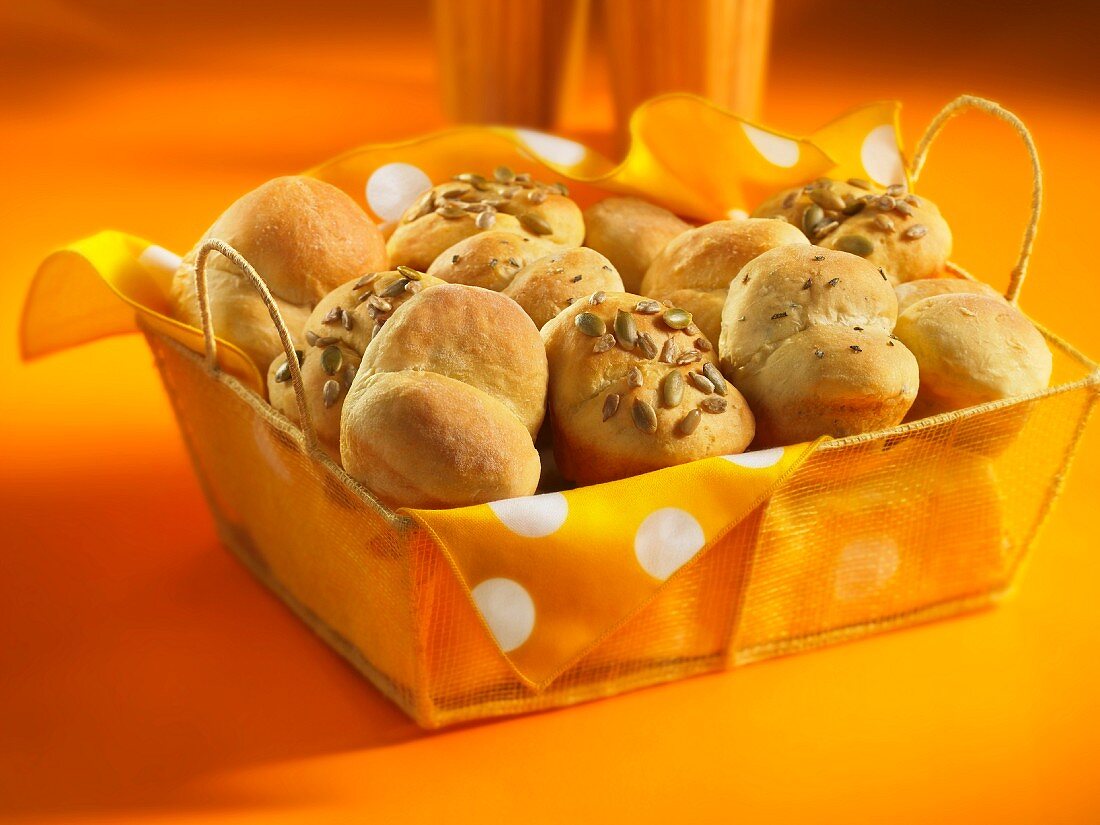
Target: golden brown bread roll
[903, 233]
[631, 233]
[806, 336]
[447, 400]
[469, 204]
[336, 334]
[548, 285]
[912, 291]
[630, 393]
[972, 349]
[303, 236]
[695, 269]
[489, 259]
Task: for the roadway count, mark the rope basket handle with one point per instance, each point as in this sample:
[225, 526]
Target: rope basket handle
[956, 107]
[211, 345]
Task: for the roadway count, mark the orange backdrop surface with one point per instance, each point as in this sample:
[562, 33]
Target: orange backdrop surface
[145, 676]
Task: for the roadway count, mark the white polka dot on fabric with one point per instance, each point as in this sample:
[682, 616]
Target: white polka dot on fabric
[159, 258]
[508, 610]
[757, 460]
[553, 148]
[532, 516]
[666, 541]
[880, 156]
[737, 214]
[864, 566]
[392, 188]
[775, 148]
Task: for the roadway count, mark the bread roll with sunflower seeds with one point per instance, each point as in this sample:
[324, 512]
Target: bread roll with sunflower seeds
[912, 291]
[972, 349]
[335, 336]
[631, 233]
[470, 203]
[807, 338]
[695, 269]
[634, 386]
[446, 402]
[900, 232]
[547, 286]
[489, 259]
[303, 236]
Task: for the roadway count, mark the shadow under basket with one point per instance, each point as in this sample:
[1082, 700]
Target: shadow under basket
[871, 533]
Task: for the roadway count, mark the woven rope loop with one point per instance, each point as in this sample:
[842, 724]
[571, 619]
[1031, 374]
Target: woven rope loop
[238, 260]
[959, 105]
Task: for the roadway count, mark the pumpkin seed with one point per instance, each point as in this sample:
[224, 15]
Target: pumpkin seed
[672, 389]
[647, 307]
[676, 318]
[689, 422]
[330, 393]
[626, 331]
[610, 405]
[669, 352]
[646, 345]
[826, 198]
[590, 324]
[331, 360]
[813, 215]
[645, 417]
[535, 224]
[714, 404]
[917, 230]
[855, 207]
[856, 245]
[859, 183]
[605, 343]
[701, 382]
[485, 220]
[716, 378]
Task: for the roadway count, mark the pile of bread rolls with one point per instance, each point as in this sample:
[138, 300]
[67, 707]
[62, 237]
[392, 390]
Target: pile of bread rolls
[432, 350]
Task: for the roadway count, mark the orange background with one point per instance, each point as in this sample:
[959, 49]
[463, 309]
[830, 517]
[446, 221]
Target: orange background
[145, 676]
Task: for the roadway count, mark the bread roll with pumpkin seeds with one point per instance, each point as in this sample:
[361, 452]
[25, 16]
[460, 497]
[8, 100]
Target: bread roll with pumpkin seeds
[900, 232]
[303, 236]
[631, 233]
[807, 338]
[634, 387]
[912, 291]
[548, 285]
[336, 334]
[470, 203]
[695, 269]
[489, 259]
[972, 349]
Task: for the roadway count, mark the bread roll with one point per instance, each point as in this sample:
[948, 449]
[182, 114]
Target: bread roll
[695, 269]
[489, 259]
[469, 204]
[972, 349]
[630, 393]
[902, 233]
[336, 334]
[447, 400]
[912, 291]
[806, 336]
[546, 286]
[303, 236]
[631, 233]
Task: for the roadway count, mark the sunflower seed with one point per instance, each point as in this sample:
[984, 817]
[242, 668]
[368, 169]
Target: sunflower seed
[330, 393]
[381, 304]
[420, 207]
[856, 245]
[604, 343]
[824, 228]
[413, 287]
[779, 315]
[536, 196]
[333, 316]
[647, 307]
[832, 282]
[826, 198]
[701, 382]
[311, 337]
[626, 331]
[788, 201]
[689, 357]
[646, 345]
[895, 190]
[634, 377]
[716, 378]
[913, 200]
[365, 280]
[645, 417]
[560, 188]
[813, 215]
[395, 288]
[610, 405]
[902, 208]
[597, 298]
[282, 374]
[885, 203]
[703, 345]
[535, 224]
[375, 330]
[523, 177]
[347, 321]
[590, 324]
[669, 352]
[676, 318]
[470, 177]
[349, 373]
[855, 207]
[331, 360]
[917, 230]
[689, 422]
[450, 211]
[714, 404]
[819, 353]
[883, 222]
[485, 220]
[504, 174]
[809, 283]
[859, 183]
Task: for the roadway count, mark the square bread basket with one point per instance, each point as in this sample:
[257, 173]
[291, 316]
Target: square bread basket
[868, 533]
